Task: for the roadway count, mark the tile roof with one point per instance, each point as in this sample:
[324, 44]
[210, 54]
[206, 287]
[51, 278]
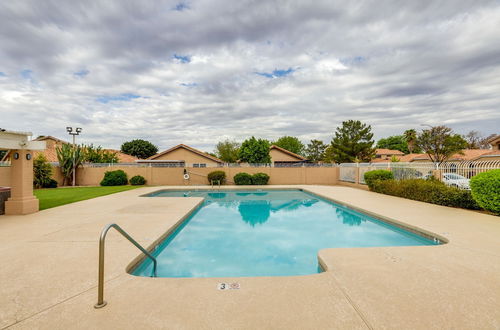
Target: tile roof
[412, 157]
[469, 154]
[123, 158]
[491, 153]
[383, 151]
[48, 137]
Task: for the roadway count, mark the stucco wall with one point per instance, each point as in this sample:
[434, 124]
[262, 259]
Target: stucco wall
[89, 176]
[4, 176]
[280, 156]
[187, 156]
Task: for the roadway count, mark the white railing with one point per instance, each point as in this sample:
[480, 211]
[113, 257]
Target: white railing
[469, 168]
[348, 172]
[416, 170]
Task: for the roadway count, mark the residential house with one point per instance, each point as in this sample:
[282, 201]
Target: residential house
[386, 155]
[283, 157]
[493, 153]
[182, 155]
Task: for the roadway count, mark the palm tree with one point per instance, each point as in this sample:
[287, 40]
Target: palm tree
[411, 138]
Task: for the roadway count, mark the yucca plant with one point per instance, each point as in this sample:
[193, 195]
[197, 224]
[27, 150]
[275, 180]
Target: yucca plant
[67, 155]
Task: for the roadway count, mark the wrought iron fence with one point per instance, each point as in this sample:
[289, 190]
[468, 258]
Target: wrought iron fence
[468, 169]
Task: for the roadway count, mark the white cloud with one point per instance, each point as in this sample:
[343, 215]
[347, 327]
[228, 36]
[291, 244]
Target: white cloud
[425, 63]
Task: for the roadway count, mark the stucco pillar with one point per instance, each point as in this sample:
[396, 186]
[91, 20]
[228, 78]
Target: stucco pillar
[437, 174]
[21, 199]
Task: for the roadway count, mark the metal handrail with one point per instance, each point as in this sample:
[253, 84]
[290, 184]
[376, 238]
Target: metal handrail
[213, 183]
[100, 296]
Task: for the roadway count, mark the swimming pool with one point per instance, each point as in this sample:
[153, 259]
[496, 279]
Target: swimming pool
[237, 233]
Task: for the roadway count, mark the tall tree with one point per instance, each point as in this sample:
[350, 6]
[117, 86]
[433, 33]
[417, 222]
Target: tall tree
[473, 139]
[328, 155]
[255, 151]
[440, 142]
[411, 139]
[227, 151]
[395, 142]
[353, 142]
[99, 155]
[290, 143]
[139, 148]
[315, 150]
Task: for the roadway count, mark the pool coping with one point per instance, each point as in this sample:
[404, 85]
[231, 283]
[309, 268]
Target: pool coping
[139, 259]
[454, 285]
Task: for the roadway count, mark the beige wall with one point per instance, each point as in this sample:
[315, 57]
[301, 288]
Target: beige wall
[92, 176]
[5, 176]
[280, 156]
[187, 156]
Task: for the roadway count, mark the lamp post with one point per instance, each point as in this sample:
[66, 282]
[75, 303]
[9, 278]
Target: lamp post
[77, 131]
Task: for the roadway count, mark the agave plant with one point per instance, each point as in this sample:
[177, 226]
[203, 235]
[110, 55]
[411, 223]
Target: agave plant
[70, 157]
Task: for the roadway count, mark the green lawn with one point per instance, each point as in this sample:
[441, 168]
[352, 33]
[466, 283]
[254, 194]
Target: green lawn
[60, 196]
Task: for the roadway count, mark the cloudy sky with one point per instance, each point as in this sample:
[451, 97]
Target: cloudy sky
[199, 71]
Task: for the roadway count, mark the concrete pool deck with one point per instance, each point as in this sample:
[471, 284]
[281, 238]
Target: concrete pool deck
[48, 277]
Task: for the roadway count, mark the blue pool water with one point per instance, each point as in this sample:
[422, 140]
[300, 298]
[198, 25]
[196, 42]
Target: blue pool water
[265, 233]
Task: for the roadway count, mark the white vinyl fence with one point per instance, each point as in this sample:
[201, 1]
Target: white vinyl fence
[416, 170]
[348, 172]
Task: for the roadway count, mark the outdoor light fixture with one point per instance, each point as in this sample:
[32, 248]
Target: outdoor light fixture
[78, 130]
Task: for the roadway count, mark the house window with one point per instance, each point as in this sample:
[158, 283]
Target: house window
[199, 165]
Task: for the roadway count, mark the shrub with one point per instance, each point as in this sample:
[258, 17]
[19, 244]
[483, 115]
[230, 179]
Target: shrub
[260, 178]
[371, 176]
[137, 180]
[42, 172]
[243, 179]
[114, 178]
[51, 184]
[428, 191]
[486, 190]
[217, 176]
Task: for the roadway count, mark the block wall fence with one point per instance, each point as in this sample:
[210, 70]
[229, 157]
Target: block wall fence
[92, 176]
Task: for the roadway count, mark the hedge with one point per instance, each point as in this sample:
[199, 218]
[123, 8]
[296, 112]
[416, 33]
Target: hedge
[243, 179]
[114, 178]
[217, 176]
[485, 189]
[371, 176]
[429, 191]
[260, 178]
[137, 180]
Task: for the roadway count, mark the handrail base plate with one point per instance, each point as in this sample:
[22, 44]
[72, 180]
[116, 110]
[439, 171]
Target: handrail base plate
[97, 306]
